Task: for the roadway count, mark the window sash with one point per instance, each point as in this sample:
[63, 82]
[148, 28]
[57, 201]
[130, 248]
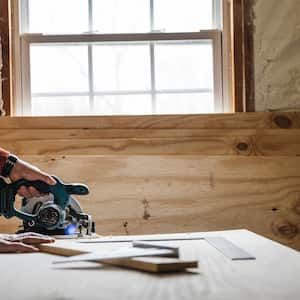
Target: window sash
[29, 39]
[23, 8]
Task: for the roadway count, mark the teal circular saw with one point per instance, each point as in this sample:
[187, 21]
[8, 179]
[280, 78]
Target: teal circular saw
[56, 212]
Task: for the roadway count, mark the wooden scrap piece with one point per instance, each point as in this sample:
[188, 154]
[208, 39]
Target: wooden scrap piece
[147, 264]
[154, 264]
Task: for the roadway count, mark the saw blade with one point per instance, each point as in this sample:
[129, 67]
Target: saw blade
[31, 205]
[75, 205]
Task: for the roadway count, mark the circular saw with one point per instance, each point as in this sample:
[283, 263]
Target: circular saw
[54, 213]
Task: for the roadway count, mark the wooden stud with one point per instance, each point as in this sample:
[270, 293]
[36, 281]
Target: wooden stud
[6, 54]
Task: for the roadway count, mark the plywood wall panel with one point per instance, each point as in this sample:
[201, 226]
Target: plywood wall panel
[173, 173]
[152, 194]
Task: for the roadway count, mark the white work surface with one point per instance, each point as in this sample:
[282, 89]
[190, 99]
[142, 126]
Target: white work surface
[275, 274]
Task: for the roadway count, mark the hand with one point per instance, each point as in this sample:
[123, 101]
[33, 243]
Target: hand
[24, 170]
[22, 243]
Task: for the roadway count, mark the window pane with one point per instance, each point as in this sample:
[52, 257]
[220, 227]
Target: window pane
[185, 103]
[123, 105]
[58, 68]
[121, 67]
[60, 106]
[120, 16]
[184, 66]
[57, 16]
[182, 15]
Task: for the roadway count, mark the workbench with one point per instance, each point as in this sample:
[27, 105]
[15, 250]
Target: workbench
[274, 274]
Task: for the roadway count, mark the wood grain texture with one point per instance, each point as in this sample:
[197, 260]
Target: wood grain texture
[157, 194]
[173, 173]
[274, 275]
[151, 142]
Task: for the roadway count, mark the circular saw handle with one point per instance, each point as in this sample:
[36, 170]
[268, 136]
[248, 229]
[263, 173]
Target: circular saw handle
[40, 185]
[60, 193]
[76, 189]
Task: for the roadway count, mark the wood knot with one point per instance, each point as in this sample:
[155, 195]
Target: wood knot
[286, 229]
[242, 146]
[282, 121]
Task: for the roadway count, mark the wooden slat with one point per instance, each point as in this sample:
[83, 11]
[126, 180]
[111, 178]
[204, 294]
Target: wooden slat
[5, 70]
[213, 121]
[156, 194]
[148, 264]
[249, 29]
[238, 56]
[151, 141]
[10, 135]
[243, 58]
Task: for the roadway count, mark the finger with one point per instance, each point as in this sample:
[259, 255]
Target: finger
[22, 248]
[36, 240]
[39, 175]
[12, 247]
[48, 179]
[23, 191]
[33, 191]
[27, 234]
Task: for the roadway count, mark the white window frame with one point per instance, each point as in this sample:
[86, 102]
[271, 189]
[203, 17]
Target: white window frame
[22, 43]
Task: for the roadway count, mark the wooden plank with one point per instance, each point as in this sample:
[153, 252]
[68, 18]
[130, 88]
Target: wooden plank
[212, 121]
[160, 194]
[149, 264]
[238, 56]
[249, 28]
[5, 71]
[243, 58]
[151, 142]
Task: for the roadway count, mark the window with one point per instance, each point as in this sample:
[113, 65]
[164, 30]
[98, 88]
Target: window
[119, 57]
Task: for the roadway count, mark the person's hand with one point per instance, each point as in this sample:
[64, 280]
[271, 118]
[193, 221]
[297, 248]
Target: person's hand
[24, 170]
[23, 243]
